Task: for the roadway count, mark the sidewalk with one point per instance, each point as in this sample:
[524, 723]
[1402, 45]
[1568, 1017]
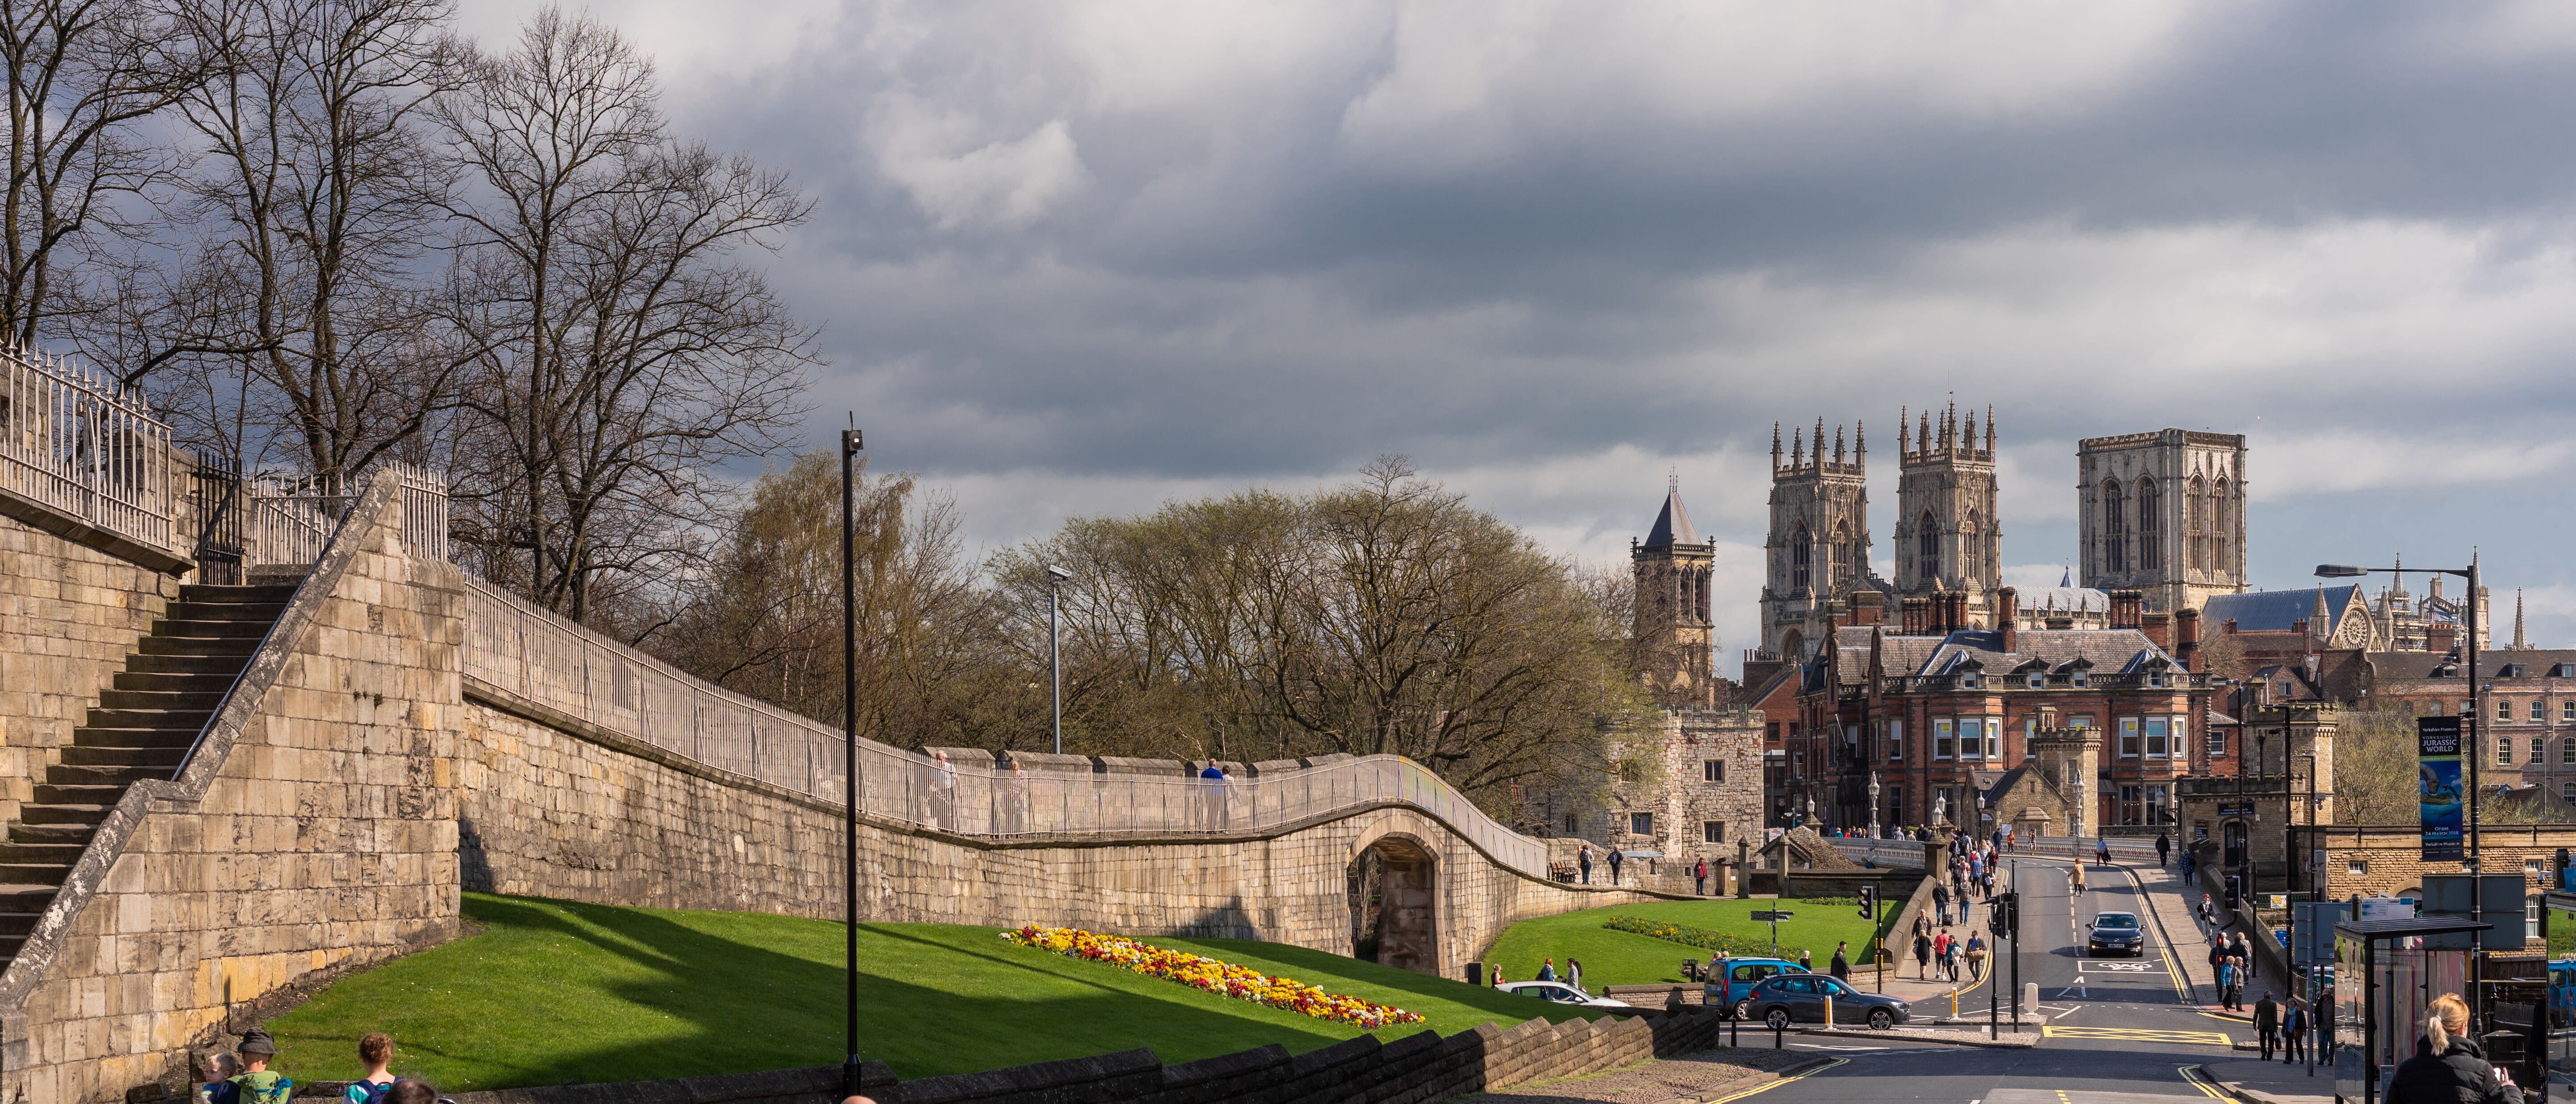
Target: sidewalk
[2172, 901]
[2262, 1082]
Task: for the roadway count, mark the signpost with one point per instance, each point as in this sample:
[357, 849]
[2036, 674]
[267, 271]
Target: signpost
[1774, 916]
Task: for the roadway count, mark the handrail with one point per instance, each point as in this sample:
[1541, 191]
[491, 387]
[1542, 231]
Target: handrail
[517, 647]
[76, 442]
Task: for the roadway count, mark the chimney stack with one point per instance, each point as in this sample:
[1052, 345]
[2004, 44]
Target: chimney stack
[2159, 629]
[1914, 615]
[2008, 617]
[2127, 607]
[1869, 607]
[2441, 638]
[2187, 639]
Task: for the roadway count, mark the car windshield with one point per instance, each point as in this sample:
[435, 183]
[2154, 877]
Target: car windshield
[2115, 920]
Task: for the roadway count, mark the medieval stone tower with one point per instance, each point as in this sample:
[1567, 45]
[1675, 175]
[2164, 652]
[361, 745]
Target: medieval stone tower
[1947, 536]
[1672, 574]
[1819, 545]
[2163, 513]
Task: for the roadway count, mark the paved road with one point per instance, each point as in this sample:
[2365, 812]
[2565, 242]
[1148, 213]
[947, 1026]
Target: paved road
[2117, 1030]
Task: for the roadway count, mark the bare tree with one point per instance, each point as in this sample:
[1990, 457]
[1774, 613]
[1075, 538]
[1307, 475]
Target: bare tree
[623, 350]
[2375, 765]
[83, 76]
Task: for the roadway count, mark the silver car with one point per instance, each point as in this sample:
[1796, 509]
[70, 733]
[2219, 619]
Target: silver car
[1558, 992]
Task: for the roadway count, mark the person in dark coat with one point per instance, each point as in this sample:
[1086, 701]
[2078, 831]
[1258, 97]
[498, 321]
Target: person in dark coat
[1842, 960]
[1583, 859]
[2452, 1069]
[2267, 1024]
[2164, 849]
[1922, 956]
[1700, 875]
[1614, 866]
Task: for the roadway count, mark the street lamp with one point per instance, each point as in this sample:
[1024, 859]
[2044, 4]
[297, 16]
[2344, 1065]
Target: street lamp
[2472, 745]
[1873, 804]
[851, 444]
[1056, 577]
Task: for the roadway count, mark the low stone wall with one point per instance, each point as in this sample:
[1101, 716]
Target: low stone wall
[1420, 1067]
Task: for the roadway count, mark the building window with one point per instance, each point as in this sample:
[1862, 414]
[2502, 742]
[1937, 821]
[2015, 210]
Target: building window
[2156, 748]
[2568, 790]
[1569, 824]
[2038, 681]
[2159, 808]
[1712, 770]
[2567, 751]
[2080, 679]
[2539, 710]
[2504, 751]
[1712, 831]
[1971, 746]
[1798, 765]
[1798, 560]
[2567, 711]
[2130, 797]
[2217, 743]
[2504, 709]
[2151, 525]
[2128, 737]
[1945, 744]
[1642, 824]
[2465, 704]
[1995, 738]
[2539, 751]
[1927, 548]
[2115, 530]
[1771, 730]
[2356, 867]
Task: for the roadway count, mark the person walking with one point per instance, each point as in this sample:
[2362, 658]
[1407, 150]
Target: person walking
[1614, 866]
[1574, 972]
[1805, 961]
[1950, 958]
[2267, 1024]
[2076, 881]
[1701, 874]
[1976, 956]
[1941, 899]
[1583, 861]
[1547, 969]
[2164, 850]
[2452, 1069]
[2227, 983]
[2102, 849]
[2294, 1032]
[2325, 1018]
[1922, 956]
[1841, 967]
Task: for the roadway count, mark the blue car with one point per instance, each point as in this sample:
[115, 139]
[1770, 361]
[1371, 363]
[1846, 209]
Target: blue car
[1731, 981]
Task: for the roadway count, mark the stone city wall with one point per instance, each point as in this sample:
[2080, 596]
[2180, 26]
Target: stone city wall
[69, 611]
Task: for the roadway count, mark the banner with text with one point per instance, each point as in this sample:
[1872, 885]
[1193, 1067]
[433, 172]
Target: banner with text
[2437, 747]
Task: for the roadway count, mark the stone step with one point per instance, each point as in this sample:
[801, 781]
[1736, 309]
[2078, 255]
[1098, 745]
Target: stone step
[228, 667]
[212, 629]
[35, 814]
[27, 897]
[185, 682]
[165, 700]
[114, 775]
[48, 793]
[255, 592]
[190, 719]
[239, 647]
[18, 924]
[161, 759]
[34, 874]
[22, 832]
[134, 737]
[263, 612]
[50, 854]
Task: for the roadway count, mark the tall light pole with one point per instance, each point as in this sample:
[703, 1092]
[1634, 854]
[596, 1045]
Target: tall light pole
[1056, 577]
[1873, 804]
[2473, 747]
[851, 443]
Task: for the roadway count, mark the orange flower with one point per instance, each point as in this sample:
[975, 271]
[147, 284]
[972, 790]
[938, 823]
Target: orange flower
[1209, 974]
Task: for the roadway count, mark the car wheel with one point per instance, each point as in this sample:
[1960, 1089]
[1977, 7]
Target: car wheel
[1881, 1019]
[1777, 1019]
[1744, 1009]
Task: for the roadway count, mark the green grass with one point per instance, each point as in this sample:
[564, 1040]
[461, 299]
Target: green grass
[553, 992]
[2562, 932]
[1622, 958]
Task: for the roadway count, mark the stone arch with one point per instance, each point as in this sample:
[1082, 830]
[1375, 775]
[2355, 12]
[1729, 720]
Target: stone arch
[1395, 899]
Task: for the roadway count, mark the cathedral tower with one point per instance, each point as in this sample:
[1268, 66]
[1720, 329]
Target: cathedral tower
[1672, 574]
[1947, 537]
[2163, 513]
[1818, 552]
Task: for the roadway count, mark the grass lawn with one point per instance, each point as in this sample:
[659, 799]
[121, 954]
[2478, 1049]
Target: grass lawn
[1623, 958]
[553, 992]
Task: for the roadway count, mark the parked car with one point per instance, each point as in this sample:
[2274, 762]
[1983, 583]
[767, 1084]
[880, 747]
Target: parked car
[1739, 976]
[2116, 933]
[1800, 998]
[1559, 992]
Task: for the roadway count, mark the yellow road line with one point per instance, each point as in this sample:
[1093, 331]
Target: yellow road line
[2199, 1081]
[2138, 1035]
[1783, 1081]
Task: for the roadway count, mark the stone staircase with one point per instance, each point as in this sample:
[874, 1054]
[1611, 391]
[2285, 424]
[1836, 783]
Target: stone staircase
[142, 728]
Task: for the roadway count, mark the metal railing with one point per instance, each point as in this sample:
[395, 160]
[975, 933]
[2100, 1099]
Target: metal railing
[289, 520]
[519, 648]
[73, 440]
[1910, 852]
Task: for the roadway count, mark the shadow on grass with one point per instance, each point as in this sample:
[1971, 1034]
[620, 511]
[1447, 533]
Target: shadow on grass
[559, 993]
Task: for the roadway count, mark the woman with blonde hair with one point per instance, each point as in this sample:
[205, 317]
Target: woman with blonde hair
[2453, 1070]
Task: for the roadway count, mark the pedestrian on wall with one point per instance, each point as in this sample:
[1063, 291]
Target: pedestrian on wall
[2164, 850]
[1841, 967]
[1615, 856]
[1583, 861]
[1941, 899]
[2267, 1024]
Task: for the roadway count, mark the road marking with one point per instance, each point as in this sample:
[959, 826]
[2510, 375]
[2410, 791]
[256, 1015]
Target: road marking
[2139, 1035]
[2199, 1081]
[2116, 967]
[1780, 1082]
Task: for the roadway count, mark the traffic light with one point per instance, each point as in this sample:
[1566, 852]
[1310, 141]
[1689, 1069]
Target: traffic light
[2004, 915]
[2558, 874]
[1869, 902]
[2235, 892]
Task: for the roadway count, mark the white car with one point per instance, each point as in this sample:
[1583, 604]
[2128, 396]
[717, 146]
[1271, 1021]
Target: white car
[1558, 992]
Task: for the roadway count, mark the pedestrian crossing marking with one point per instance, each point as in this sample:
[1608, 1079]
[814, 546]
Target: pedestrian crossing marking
[2138, 1035]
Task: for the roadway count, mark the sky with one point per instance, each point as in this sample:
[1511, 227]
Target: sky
[1081, 258]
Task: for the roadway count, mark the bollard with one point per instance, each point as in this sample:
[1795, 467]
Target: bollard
[1954, 1002]
[1775, 1033]
[2029, 996]
[1829, 1011]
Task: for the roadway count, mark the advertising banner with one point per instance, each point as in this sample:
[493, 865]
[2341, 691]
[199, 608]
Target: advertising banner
[2437, 746]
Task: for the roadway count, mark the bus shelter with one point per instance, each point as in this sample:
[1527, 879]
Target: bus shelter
[2386, 973]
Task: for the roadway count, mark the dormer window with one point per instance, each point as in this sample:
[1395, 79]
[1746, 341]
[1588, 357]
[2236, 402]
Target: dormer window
[2080, 679]
[1968, 679]
[2038, 681]
[2155, 678]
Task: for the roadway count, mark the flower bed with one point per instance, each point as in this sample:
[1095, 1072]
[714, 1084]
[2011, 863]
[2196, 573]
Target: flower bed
[1725, 943]
[1199, 972]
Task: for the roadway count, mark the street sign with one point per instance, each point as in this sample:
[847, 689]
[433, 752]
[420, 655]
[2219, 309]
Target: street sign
[2312, 940]
[2236, 808]
[1773, 916]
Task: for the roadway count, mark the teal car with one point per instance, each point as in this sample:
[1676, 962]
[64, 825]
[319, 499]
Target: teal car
[1731, 980]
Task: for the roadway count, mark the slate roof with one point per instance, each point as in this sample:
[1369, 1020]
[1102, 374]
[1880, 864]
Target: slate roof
[2415, 665]
[2109, 651]
[1673, 526]
[2068, 599]
[2274, 610]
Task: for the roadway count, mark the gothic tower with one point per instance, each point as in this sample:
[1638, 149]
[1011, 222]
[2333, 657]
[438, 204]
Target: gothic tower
[1818, 552]
[1672, 574]
[1947, 538]
[2163, 512]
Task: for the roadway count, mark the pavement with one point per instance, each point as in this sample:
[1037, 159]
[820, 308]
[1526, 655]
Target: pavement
[1689, 1079]
[2261, 1082]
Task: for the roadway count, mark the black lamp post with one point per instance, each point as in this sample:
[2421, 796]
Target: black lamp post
[2474, 747]
[851, 443]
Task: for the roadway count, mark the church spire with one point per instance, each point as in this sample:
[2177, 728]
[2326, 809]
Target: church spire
[1775, 446]
[1990, 427]
[2520, 642]
[1798, 448]
[1902, 427]
[1860, 443]
[1838, 444]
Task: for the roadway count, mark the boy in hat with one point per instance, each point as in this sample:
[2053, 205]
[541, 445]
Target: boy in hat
[259, 1084]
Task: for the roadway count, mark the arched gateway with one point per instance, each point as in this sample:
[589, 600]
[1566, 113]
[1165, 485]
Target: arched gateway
[1395, 901]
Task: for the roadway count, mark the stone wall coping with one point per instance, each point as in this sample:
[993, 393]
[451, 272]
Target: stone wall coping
[241, 707]
[37, 515]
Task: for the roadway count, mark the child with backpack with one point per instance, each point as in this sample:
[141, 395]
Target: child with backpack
[377, 1052]
[259, 1084]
